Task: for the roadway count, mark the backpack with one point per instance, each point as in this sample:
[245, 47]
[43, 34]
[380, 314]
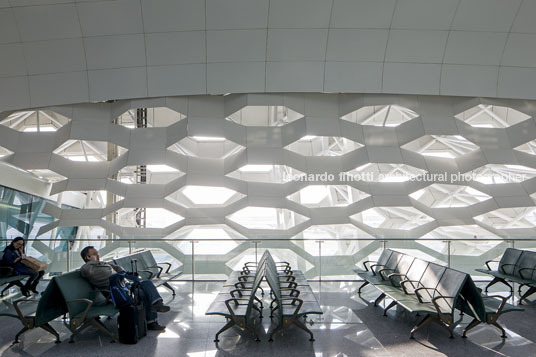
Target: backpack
[120, 289]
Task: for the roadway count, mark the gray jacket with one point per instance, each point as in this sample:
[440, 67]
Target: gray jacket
[98, 273]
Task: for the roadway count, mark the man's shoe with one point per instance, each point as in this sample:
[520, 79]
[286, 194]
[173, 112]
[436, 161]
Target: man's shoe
[160, 307]
[154, 326]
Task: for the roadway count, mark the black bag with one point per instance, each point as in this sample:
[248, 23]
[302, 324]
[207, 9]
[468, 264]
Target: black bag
[132, 323]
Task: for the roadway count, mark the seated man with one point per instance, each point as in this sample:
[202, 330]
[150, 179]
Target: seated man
[98, 274]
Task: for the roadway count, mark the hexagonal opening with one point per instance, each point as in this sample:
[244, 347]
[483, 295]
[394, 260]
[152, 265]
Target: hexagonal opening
[154, 217]
[149, 117]
[267, 218]
[267, 173]
[271, 115]
[402, 218]
[509, 218]
[330, 247]
[211, 239]
[311, 145]
[148, 174]
[194, 196]
[47, 175]
[491, 116]
[91, 199]
[373, 172]
[42, 120]
[327, 196]
[444, 146]
[206, 147]
[529, 148]
[498, 174]
[85, 150]
[381, 115]
[4, 151]
[447, 196]
[467, 248]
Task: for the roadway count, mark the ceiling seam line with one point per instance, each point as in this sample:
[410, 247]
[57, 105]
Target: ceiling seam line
[327, 43]
[387, 45]
[505, 44]
[266, 47]
[85, 52]
[145, 49]
[446, 44]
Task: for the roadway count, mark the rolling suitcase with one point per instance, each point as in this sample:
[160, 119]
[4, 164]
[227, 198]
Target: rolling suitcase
[132, 323]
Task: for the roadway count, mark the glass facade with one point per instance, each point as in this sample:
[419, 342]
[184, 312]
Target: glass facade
[21, 215]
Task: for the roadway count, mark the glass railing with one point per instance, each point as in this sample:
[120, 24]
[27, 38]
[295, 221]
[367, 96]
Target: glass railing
[320, 259]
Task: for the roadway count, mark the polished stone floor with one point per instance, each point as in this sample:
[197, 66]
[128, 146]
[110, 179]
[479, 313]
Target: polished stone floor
[350, 326]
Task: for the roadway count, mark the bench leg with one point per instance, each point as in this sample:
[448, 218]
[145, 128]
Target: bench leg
[77, 331]
[50, 329]
[427, 319]
[529, 292]
[379, 299]
[166, 284]
[391, 305]
[498, 280]
[496, 324]
[471, 325]
[304, 328]
[279, 328]
[98, 324]
[362, 286]
[227, 326]
[24, 329]
[252, 329]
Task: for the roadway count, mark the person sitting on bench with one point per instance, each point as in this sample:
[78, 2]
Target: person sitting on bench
[13, 255]
[98, 274]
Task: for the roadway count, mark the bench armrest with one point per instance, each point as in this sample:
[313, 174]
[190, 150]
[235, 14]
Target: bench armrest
[375, 265]
[294, 300]
[490, 261]
[438, 309]
[392, 276]
[530, 269]
[291, 284]
[292, 290]
[168, 264]
[368, 261]
[6, 271]
[384, 270]
[147, 271]
[288, 277]
[236, 301]
[160, 269]
[84, 314]
[419, 296]
[407, 281]
[25, 321]
[505, 265]
[503, 303]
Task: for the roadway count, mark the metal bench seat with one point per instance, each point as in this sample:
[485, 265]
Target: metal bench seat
[160, 274]
[419, 286]
[517, 266]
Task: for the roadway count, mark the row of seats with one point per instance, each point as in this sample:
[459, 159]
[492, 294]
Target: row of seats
[72, 296]
[431, 289]
[159, 273]
[292, 299]
[517, 266]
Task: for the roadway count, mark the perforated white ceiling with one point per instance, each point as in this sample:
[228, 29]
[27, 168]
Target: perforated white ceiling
[64, 51]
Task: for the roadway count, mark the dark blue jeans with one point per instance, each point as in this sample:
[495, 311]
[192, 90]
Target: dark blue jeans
[150, 296]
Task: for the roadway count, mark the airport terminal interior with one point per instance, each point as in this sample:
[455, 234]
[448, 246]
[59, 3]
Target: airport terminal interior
[292, 177]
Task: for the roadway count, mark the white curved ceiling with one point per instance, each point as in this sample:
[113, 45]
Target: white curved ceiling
[65, 51]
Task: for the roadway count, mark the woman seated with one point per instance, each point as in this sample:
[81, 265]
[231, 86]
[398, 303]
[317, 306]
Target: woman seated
[13, 255]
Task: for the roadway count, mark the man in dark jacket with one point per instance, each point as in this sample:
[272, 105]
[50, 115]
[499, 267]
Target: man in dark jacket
[98, 274]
